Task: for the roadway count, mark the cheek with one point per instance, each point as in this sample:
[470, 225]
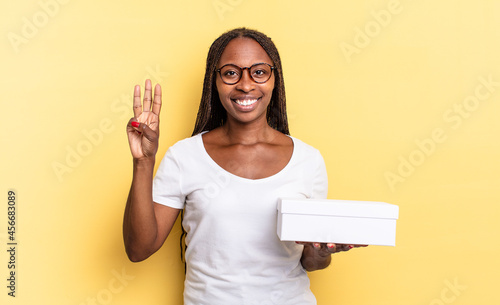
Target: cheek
[222, 90]
[270, 89]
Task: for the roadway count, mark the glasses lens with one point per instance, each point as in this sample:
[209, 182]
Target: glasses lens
[260, 73]
[230, 74]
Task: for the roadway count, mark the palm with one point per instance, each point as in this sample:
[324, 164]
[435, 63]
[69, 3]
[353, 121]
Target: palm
[143, 141]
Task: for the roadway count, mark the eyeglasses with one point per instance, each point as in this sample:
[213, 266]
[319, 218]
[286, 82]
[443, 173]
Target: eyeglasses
[259, 73]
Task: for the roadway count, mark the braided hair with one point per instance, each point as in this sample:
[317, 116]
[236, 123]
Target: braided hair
[211, 113]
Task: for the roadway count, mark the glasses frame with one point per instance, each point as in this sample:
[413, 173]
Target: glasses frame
[241, 74]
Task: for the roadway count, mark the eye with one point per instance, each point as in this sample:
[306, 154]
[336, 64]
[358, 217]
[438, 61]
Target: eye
[260, 72]
[230, 72]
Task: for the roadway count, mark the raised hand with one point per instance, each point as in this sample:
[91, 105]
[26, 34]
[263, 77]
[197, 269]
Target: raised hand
[143, 129]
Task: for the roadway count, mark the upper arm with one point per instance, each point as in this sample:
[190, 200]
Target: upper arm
[168, 197]
[165, 220]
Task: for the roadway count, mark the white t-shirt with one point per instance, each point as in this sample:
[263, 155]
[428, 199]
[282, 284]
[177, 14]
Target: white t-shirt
[234, 255]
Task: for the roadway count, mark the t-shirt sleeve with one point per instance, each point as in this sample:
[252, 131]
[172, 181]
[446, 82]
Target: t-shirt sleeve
[167, 188]
[320, 179]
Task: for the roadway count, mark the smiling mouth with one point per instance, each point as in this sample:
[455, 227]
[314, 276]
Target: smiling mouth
[246, 102]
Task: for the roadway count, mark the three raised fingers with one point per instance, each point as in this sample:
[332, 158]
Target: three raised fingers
[146, 105]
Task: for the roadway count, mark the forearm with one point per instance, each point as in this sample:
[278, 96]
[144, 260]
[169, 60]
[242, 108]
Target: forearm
[313, 259]
[139, 224]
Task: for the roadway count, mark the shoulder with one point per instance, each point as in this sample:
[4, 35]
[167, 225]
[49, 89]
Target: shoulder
[307, 155]
[304, 148]
[211, 137]
[185, 149]
[187, 143]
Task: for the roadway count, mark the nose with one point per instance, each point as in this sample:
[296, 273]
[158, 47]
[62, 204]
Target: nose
[246, 83]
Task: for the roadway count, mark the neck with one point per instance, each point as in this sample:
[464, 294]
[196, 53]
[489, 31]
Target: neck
[248, 133]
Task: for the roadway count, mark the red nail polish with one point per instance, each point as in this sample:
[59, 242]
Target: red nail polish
[330, 246]
[135, 124]
[351, 246]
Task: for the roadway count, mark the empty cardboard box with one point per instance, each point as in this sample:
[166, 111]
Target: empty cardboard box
[337, 221]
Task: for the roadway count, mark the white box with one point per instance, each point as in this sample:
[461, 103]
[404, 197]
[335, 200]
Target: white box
[337, 221]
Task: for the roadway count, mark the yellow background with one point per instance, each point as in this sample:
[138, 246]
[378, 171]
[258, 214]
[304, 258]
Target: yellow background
[365, 110]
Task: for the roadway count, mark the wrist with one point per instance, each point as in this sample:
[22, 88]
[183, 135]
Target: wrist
[144, 163]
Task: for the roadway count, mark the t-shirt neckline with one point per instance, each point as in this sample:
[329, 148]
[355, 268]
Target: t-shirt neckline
[214, 164]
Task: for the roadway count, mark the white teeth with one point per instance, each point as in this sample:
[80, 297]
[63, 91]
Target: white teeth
[245, 102]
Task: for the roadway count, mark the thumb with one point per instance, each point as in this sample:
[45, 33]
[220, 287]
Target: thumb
[134, 125]
[147, 132]
[142, 128]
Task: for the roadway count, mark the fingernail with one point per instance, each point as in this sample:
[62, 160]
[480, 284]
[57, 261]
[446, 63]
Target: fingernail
[351, 246]
[316, 245]
[329, 246]
[135, 124]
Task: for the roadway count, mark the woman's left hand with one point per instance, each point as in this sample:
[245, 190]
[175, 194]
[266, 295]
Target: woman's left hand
[317, 256]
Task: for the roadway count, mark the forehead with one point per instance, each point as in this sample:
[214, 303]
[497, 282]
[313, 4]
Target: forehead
[244, 52]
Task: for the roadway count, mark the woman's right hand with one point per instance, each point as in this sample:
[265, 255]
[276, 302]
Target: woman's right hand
[143, 129]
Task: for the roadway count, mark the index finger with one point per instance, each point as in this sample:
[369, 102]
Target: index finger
[137, 101]
[157, 100]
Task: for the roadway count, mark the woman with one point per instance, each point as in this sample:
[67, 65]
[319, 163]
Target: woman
[228, 178]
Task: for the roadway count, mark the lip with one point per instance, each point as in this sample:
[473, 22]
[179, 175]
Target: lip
[246, 104]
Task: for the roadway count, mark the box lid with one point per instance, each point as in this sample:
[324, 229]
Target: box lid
[346, 208]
